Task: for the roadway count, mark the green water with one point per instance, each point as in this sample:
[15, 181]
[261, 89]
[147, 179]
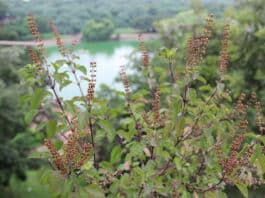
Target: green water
[109, 56]
[106, 47]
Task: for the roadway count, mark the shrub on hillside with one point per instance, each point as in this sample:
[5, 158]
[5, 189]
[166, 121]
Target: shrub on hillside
[97, 30]
[168, 140]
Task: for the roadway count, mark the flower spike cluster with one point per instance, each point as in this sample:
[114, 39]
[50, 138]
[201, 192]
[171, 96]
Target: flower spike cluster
[34, 29]
[36, 34]
[92, 82]
[57, 158]
[145, 55]
[125, 82]
[156, 107]
[58, 38]
[197, 45]
[35, 59]
[233, 161]
[207, 32]
[74, 156]
[224, 50]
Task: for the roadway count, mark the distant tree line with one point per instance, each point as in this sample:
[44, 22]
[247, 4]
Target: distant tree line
[71, 15]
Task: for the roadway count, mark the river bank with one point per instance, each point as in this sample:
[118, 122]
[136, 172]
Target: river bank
[77, 39]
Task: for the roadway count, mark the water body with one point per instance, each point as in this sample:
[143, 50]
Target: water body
[109, 55]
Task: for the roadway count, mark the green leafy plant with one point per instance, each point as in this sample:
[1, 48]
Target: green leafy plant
[166, 140]
[97, 30]
[16, 139]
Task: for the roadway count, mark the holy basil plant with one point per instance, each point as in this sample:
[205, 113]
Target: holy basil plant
[175, 136]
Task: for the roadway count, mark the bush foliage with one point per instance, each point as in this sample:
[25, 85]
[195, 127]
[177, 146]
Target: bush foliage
[16, 140]
[178, 137]
[97, 30]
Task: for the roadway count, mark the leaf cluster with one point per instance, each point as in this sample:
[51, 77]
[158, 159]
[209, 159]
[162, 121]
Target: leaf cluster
[168, 139]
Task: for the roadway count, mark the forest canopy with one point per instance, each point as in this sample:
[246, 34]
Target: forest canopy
[70, 15]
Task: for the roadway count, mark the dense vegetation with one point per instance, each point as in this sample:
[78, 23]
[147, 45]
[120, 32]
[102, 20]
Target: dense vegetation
[70, 15]
[176, 136]
[98, 30]
[17, 29]
[15, 137]
[3, 8]
[181, 128]
[246, 44]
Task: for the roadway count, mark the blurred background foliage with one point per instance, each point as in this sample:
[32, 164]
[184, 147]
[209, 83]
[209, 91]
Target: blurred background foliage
[98, 30]
[71, 15]
[16, 139]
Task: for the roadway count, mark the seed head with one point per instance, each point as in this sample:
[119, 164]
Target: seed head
[224, 50]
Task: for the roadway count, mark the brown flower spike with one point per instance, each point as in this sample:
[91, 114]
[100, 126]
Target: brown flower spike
[57, 158]
[92, 82]
[58, 38]
[156, 107]
[145, 55]
[224, 50]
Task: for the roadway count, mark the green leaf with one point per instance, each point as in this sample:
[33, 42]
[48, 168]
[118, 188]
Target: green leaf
[82, 69]
[93, 191]
[259, 159]
[23, 99]
[37, 98]
[205, 88]
[163, 154]
[115, 154]
[180, 126]
[30, 115]
[192, 96]
[106, 125]
[45, 176]
[60, 62]
[203, 80]
[87, 165]
[177, 162]
[64, 84]
[67, 188]
[38, 155]
[58, 144]
[106, 165]
[243, 189]
[215, 194]
[51, 128]
[70, 106]
[108, 128]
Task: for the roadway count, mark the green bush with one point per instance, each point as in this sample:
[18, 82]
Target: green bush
[97, 30]
[246, 47]
[17, 29]
[16, 140]
[168, 139]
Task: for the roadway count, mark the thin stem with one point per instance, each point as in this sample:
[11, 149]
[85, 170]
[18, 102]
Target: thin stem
[184, 98]
[212, 187]
[92, 135]
[164, 169]
[141, 190]
[60, 105]
[171, 72]
[150, 80]
[137, 124]
[52, 86]
[198, 117]
[88, 104]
